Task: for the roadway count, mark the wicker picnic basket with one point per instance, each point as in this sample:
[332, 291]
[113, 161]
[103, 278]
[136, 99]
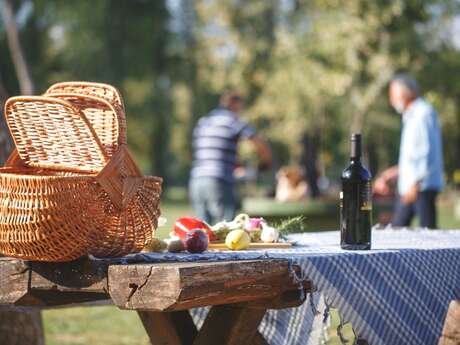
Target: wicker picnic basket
[71, 188]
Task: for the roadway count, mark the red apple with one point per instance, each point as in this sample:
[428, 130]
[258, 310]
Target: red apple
[196, 241]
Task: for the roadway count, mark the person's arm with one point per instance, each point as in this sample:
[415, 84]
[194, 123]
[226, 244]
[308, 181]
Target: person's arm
[390, 173]
[381, 183]
[411, 195]
[263, 150]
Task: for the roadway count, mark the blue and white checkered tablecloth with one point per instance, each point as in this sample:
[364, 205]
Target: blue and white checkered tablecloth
[396, 293]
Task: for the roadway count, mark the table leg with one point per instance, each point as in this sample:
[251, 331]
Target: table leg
[21, 328]
[259, 339]
[174, 328]
[451, 331]
[230, 325]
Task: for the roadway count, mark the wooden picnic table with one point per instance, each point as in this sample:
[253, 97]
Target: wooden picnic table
[239, 292]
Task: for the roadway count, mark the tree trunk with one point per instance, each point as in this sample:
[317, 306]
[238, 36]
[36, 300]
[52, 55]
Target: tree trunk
[6, 142]
[309, 160]
[17, 54]
[16, 327]
[21, 328]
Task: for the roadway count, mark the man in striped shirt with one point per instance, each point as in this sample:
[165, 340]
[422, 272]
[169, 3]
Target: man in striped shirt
[215, 140]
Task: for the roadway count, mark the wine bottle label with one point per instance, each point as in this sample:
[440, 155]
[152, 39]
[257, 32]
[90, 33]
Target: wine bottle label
[366, 197]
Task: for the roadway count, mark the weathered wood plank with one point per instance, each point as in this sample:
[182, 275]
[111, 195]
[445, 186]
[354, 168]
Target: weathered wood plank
[81, 276]
[147, 286]
[14, 281]
[230, 325]
[286, 299]
[175, 328]
[38, 284]
[451, 330]
[179, 286]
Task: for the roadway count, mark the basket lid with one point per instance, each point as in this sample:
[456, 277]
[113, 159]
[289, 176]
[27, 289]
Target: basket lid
[51, 133]
[105, 91]
[107, 121]
[102, 105]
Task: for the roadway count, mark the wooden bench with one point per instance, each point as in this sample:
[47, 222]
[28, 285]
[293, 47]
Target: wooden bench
[239, 292]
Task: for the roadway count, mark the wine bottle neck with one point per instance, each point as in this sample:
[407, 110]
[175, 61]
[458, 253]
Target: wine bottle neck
[355, 160]
[355, 148]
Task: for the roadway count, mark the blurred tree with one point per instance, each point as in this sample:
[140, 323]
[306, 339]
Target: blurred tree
[120, 42]
[6, 142]
[316, 69]
[17, 55]
[16, 328]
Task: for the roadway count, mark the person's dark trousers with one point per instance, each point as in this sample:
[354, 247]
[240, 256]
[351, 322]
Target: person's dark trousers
[212, 199]
[424, 208]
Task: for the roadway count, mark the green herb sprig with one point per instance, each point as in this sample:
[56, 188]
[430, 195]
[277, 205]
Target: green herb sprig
[291, 225]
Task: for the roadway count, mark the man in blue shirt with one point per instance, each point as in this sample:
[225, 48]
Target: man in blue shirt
[214, 146]
[419, 171]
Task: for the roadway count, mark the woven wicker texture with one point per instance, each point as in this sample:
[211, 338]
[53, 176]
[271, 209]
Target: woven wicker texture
[98, 91]
[51, 133]
[107, 92]
[58, 206]
[61, 218]
[102, 116]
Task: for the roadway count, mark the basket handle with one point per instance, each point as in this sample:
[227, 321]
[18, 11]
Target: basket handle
[106, 91]
[107, 121]
[51, 133]
[102, 91]
[14, 160]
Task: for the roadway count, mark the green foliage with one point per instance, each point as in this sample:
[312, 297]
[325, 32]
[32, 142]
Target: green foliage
[318, 66]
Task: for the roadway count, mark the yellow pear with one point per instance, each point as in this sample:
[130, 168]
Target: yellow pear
[237, 240]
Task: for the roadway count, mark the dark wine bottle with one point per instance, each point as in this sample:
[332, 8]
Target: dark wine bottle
[356, 202]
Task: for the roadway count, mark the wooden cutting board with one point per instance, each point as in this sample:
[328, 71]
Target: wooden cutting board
[252, 246]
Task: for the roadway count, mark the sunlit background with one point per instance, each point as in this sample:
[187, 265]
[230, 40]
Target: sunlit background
[313, 71]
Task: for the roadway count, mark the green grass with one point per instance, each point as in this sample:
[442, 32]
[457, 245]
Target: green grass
[171, 211]
[110, 326]
[105, 325]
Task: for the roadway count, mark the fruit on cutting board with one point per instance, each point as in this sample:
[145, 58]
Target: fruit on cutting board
[269, 234]
[254, 224]
[237, 240]
[185, 224]
[196, 241]
[222, 229]
[175, 245]
[254, 227]
[156, 245]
